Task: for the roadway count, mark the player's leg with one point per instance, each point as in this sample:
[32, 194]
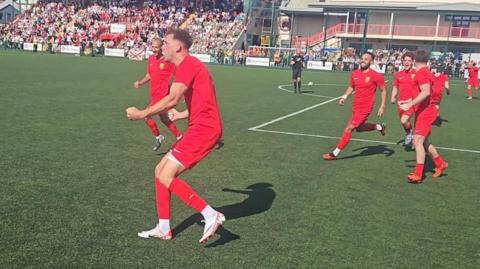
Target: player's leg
[417, 175]
[367, 127]
[294, 79]
[342, 143]
[299, 81]
[440, 164]
[162, 202]
[407, 127]
[152, 125]
[170, 125]
[469, 92]
[159, 138]
[168, 176]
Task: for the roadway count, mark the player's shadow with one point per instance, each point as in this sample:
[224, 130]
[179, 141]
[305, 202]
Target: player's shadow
[439, 121]
[407, 148]
[308, 91]
[260, 199]
[220, 144]
[161, 153]
[371, 150]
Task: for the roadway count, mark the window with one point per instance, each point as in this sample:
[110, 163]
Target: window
[267, 23]
[1, 16]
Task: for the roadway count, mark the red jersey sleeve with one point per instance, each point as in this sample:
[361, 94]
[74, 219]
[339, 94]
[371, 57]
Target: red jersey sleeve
[380, 82]
[185, 75]
[395, 80]
[351, 82]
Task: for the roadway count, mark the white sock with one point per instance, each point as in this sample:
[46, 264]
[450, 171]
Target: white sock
[208, 212]
[164, 225]
[379, 127]
[158, 137]
[336, 151]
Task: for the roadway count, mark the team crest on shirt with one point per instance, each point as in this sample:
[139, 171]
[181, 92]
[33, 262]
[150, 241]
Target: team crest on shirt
[367, 79]
[162, 66]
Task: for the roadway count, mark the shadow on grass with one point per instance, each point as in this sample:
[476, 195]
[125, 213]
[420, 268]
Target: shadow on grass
[260, 199]
[371, 150]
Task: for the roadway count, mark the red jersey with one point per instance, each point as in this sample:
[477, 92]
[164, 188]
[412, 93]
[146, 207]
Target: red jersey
[473, 73]
[365, 85]
[437, 88]
[423, 76]
[200, 97]
[403, 80]
[160, 72]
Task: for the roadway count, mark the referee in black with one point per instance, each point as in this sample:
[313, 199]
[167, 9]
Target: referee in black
[297, 65]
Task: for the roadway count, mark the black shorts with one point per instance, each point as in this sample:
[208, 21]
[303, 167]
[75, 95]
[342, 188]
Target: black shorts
[296, 73]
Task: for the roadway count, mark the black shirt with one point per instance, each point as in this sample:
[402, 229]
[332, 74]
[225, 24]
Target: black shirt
[297, 62]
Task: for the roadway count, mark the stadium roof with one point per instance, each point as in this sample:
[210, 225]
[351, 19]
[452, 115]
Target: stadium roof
[6, 3]
[312, 6]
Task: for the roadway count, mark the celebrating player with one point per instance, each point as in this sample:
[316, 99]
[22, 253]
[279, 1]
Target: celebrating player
[425, 115]
[159, 73]
[364, 81]
[404, 87]
[440, 81]
[192, 81]
[472, 79]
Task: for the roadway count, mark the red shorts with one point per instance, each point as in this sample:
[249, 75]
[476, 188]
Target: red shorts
[473, 82]
[195, 144]
[424, 120]
[358, 118]
[408, 113]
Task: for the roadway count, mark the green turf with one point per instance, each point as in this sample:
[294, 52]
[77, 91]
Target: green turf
[77, 177]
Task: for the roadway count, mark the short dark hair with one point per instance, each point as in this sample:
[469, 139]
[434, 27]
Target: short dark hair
[421, 56]
[181, 35]
[408, 54]
[369, 53]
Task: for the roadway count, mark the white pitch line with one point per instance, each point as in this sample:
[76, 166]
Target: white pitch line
[357, 139]
[293, 114]
[281, 87]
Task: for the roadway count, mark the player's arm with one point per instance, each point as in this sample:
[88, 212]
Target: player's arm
[447, 87]
[393, 98]
[175, 115]
[168, 102]
[139, 83]
[344, 97]
[424, 93]
[383, 95]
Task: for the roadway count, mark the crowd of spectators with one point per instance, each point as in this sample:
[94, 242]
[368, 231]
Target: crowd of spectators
[216, 25]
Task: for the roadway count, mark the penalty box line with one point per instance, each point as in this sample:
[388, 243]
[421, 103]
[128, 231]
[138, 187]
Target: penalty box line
[358, 139]
[258, 129]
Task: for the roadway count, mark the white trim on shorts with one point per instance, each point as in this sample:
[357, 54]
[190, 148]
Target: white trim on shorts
[173, 159]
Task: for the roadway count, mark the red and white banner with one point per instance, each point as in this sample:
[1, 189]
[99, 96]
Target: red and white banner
[136, 54]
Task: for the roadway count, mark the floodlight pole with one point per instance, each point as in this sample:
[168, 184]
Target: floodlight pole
[325, 27]
[365, 33]
[449, 31]
[272, 23]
